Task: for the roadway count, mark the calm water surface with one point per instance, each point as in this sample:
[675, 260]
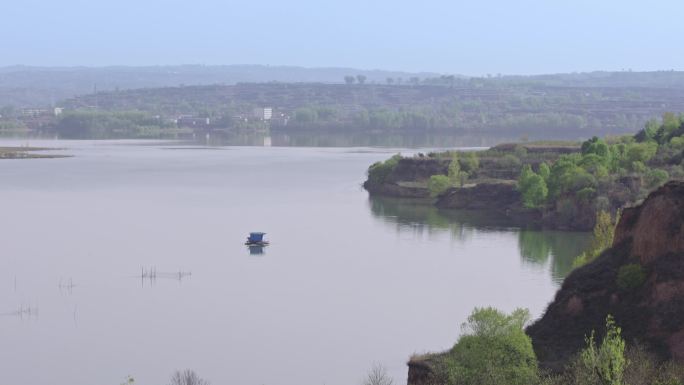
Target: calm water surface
[347, 280]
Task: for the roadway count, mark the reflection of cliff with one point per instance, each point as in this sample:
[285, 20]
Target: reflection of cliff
[558, 248]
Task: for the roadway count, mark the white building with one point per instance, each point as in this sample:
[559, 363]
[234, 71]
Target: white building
[265, 113]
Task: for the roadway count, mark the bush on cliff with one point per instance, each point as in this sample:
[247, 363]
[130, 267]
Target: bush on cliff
[604, 232]
[631, 276]
[457, 176]
[533, 188]
[605, 363]
[469, 162]
[438, 184]
[378, 171]
[493, 350]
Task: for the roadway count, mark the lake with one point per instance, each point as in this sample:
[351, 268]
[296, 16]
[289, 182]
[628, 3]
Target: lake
[346, 282]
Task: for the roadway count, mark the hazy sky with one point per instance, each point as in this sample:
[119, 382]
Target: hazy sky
[465, 37]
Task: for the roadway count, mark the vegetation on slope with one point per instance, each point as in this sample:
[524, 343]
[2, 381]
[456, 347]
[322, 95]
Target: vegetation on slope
[570, 184]
[494, 350]
[107, 125]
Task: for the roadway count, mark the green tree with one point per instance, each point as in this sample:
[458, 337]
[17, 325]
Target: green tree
[469, 161]
[532, 187]
[438, 184]
[607, 362]
[494, 350]
[457, 177]
[671, 124]
[361, 79]
[595, 146]
[379, 171]
[603, 235]
[349, 79]
[640, 152]
[656, 177]
[544, 171]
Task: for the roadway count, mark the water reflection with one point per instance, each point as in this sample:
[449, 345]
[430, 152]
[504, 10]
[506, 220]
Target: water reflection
[279, 138]
[255, 249]
[554, 250]
[422, 215]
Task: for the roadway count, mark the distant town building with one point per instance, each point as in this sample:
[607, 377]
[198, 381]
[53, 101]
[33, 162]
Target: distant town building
[32, 112]
[265, 113]
[58, 111]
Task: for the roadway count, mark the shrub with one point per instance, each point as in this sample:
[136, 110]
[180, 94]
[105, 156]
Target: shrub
[638, 167]
[187, 377]
[595, 146]
[656, 177]
[604, 232]
[438, 184]
[677, 142]
[544, 171]
[645, 368]
[469, 162]
[631, 276]
[606, 364]
[640, 152]
[377, 375]
[586, 194]
[456, 176]
[532, 187]
[494, 350]
[378, 171]
[509, 161]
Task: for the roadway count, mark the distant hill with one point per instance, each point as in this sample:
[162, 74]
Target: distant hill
[465, 105]
[654, 79]
[23, 86]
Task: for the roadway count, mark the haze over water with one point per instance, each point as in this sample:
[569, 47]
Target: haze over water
[346, 281]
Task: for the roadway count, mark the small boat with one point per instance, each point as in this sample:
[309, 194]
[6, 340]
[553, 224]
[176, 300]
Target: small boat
[256, 239]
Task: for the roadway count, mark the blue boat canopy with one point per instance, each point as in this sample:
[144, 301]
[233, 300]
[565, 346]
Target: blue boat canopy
[256, 236]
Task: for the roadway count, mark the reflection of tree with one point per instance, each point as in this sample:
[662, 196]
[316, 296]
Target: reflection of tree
[418, 217]
[534, 246]
[559, 247]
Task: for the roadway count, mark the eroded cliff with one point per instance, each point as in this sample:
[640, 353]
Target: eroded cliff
[640, 281]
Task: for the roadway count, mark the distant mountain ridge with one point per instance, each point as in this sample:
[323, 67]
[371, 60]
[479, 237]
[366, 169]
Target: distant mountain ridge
[29, 86]
[24, 86]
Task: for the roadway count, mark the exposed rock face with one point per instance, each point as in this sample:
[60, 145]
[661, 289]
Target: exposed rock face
[396, 190]
[650, 235]
[657, 226]
[421, 373]
[483, 196]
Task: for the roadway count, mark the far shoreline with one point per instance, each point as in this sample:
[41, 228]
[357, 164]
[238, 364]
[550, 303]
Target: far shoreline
[24, 152]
